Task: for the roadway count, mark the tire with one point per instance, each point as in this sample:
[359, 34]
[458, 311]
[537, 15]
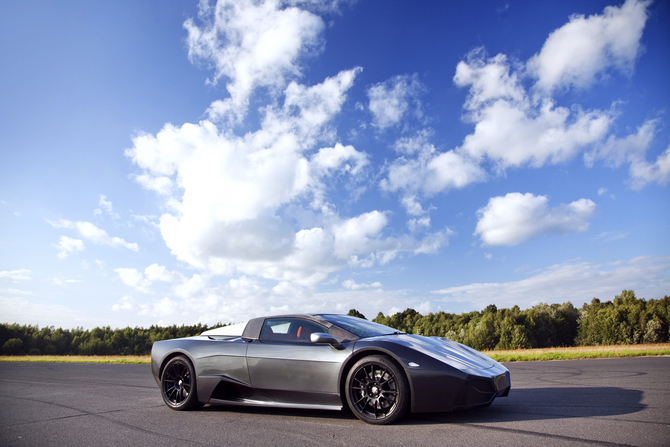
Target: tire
[377, 390]
[178, 384]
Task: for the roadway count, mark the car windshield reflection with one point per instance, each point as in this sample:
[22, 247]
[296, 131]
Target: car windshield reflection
[360, 327]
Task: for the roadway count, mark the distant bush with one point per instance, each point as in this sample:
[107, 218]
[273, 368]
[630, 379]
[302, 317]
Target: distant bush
[31, 340]
[625, 320]
[13, 346]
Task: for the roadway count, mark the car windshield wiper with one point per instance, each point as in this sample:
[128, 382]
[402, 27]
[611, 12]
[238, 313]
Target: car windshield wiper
[395, 333]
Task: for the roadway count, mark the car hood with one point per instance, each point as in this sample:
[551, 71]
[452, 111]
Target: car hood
[446, 351]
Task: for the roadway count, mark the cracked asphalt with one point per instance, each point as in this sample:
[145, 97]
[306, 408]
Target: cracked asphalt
[616, 402]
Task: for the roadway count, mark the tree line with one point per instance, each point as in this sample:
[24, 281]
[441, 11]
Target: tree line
[625, 320]
[31, 340]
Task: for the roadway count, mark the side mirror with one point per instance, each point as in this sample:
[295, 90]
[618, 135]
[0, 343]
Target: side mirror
[326, 339]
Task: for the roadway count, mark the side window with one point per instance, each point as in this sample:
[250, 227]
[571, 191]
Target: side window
[294, 330]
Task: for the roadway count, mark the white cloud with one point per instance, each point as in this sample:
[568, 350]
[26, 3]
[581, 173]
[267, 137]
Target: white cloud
[418, 224]
[511, 128]
[62, 282]
[521, 125]
[632, 149]
[586, 47]
[602, 191]
[125, 304]
[610, 236]
[576, 281]
[245, 297]
[516, 217]
[346, 158]
[352, 285]
[43, 313]
[643, 172]
[17, 275]
[15, 292]
[142, 281]
[517, 128]
[67, 245]
[265, 169]
[230, 193]
[134, 278]
[252, 44]
[191, 287]
[359, 235]
[105, 206]
[424, 171]
[390, 101]
[92, 233]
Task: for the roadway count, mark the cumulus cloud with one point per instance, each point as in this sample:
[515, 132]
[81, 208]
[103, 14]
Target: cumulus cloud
[142, 281]
[63, 282]
[516, 217]
[17, 308]
[423, 171]
[67, 245]
[392, 100]
[353, 285]
[632, 149]
[575, 281]
[247, 297]
[643, 172]
[252, 44]
[17, 275]
[585, 48]
[511, 128]
[230, 194]
[162, 308]
[92, 233]
[106, 207]
[521, 125]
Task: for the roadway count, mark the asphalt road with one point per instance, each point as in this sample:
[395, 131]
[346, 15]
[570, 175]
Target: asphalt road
[582, 402]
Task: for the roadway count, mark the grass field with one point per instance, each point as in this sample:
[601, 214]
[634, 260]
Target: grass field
[519, 355]
[580, 352]
[78, 358]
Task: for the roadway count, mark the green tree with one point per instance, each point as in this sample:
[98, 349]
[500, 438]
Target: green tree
[13, 346]
[355, 313]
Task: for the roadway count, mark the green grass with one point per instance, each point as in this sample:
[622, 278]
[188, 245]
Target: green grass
[78, 358]
[519, 355]
[580, 352]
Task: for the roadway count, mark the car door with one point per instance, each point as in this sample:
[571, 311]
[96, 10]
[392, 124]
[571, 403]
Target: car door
[289, 367]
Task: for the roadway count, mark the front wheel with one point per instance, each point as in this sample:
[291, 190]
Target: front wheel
[377, 390]
[178, 385]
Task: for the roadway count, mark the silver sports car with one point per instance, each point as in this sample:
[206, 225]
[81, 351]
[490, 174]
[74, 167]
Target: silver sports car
[325, 362]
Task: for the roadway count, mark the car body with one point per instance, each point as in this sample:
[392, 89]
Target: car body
[325, 361]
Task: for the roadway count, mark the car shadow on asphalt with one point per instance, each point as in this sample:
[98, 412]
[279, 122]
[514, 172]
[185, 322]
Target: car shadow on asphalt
[532, 404]
[521, 405]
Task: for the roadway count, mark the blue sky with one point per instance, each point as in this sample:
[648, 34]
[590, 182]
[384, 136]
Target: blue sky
[184, 162]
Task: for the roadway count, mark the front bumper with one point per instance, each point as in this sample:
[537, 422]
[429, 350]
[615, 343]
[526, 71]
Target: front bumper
[435, 391]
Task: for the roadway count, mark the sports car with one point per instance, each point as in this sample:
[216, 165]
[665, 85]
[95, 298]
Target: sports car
[328, 362]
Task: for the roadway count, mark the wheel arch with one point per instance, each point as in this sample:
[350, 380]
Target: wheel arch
[173, 354]
[365, 352]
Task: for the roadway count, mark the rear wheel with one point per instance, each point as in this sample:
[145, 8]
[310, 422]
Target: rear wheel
[377, 390]
[178, 385]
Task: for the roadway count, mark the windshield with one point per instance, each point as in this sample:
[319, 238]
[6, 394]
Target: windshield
[358, 326]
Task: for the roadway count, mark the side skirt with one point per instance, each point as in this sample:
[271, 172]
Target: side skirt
[260, 403]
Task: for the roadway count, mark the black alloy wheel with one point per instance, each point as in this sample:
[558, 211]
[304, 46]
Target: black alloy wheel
[178, 385]
[377, 390]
